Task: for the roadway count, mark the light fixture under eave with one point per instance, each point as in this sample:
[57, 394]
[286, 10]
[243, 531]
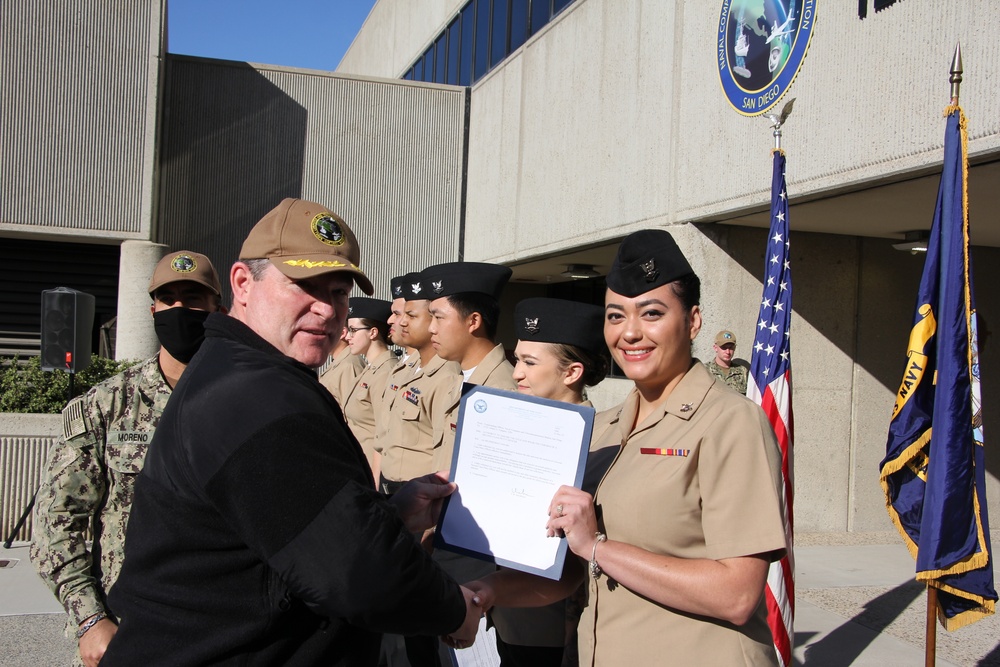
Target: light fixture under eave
[580, 271]
[913, 242]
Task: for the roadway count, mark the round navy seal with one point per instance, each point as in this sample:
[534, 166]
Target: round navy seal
[761, 46]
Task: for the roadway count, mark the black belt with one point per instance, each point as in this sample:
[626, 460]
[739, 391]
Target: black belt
[389, 487]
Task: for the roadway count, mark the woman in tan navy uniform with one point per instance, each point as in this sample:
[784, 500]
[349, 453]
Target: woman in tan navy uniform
[687, 515]
[367, 331]
[560, 351]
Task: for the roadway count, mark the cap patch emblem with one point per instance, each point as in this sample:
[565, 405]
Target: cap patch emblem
[327, 229]
[398, 290]
[531, 325]
[436, 286]
[727, 335]
[649, 268]
[183, 264]
[350, 310]
[416, 288]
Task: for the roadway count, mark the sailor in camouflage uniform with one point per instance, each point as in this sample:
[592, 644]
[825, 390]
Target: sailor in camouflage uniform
[91, 471]
[723, 366]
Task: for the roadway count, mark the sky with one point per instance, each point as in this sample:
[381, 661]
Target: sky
[312, 34]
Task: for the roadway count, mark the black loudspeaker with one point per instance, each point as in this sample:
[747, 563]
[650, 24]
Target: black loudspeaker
[67, 323]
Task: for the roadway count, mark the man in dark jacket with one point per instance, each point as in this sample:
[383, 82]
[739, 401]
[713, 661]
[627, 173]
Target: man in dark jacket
[257, 537]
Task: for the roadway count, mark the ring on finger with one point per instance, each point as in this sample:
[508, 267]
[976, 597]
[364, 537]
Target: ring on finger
[559, 509]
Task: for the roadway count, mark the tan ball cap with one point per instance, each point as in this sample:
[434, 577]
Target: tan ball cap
[185, 265]
[304, 239]
[724, 337]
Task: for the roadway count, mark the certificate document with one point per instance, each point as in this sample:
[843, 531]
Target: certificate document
[512, 453]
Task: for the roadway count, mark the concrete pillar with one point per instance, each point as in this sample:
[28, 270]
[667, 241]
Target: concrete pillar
[136, 338]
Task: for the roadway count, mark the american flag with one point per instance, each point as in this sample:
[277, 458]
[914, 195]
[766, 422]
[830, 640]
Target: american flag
[771, 388]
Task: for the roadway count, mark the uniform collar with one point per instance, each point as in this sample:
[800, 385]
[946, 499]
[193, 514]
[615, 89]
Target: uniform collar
[683, 402]
[153, 377]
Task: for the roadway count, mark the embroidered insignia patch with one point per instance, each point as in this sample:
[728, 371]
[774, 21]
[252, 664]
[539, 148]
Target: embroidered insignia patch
[183, 264]
[327, 230]
[436, 286]
[531, 325]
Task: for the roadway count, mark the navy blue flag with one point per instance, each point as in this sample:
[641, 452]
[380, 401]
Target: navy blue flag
[933, 474]
[770, 387]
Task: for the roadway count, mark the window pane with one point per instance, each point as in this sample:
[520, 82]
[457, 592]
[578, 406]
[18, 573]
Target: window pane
[482, 39]
[468, 40]
[409, 74]
[418, 70]
[441, 58]
[429, 64]
[559, 5]
[541, 11]
[498, 44]
[518, 23]
[454, 50]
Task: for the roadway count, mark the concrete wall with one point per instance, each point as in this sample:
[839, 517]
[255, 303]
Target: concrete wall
[78, 112]
[385, 154]
[24, 445]
[854, 299]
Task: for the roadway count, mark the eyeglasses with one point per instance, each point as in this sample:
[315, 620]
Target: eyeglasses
[353, 330]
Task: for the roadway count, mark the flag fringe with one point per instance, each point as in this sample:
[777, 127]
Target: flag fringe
[779, 151]
[892, 467]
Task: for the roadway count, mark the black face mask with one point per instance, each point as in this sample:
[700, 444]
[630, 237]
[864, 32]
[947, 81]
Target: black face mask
[181, 331]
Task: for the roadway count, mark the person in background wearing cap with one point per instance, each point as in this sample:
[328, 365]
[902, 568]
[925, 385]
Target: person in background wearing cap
[416, 408]
[560, 351]
[91, 472]
[367, 329]
[345, 367]
[402, 368]
[687, 513]
[257, 536]
[465, 312]
[723, 367]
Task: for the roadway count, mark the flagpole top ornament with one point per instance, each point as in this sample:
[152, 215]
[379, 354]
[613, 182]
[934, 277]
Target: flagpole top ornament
[956, 73]
[777, 120]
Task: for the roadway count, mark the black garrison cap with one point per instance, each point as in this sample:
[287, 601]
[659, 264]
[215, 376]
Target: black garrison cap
[369, 309]
[412, 287]
[545, 320]
[646, 260]
[455, 277]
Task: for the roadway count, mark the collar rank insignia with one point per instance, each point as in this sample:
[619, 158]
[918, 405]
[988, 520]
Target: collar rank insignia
[416, 288]
[436, 286]
[531, 325]
[685, 407]
[649, 268]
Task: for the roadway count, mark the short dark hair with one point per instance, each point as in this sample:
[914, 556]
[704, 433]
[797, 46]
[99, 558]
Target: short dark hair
[381, 327]
[488, 308]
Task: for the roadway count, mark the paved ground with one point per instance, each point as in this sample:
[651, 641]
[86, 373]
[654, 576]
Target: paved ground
[857, 604]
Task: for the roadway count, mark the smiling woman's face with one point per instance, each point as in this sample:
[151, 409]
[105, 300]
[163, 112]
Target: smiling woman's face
[650, 335]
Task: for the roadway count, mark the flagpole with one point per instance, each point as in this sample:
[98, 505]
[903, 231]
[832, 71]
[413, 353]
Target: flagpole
[930, 642]
[930, 648]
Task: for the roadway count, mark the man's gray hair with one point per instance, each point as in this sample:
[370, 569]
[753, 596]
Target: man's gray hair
[257, 267]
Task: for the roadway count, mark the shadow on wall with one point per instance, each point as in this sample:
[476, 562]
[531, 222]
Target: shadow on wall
[233, 147]
[860, 293]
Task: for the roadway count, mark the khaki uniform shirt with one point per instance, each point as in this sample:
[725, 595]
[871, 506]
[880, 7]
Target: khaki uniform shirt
[343, 372]
[415, 417]
[398, 374]
[699, 478]
[734, 376]
[88, 485]
[493, 371]
[361, 403]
